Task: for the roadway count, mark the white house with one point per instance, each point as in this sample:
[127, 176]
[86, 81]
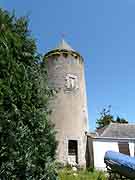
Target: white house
[116, 137]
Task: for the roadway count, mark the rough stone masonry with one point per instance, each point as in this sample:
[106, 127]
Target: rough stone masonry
[69, 105]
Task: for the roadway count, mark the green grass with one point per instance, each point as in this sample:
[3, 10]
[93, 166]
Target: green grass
[67, 174]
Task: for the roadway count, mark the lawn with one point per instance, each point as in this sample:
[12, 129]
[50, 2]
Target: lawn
[67, 174]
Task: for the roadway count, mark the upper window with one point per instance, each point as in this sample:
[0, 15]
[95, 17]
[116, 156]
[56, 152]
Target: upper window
[71, 82]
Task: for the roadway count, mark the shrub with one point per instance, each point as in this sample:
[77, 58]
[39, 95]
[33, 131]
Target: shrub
[27, 137]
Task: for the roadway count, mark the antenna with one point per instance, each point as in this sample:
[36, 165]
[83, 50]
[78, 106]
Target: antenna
[63, 35]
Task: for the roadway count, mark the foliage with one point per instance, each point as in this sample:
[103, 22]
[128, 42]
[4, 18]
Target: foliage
[67, 174]
[121, 120]
[27, 137]
[106, 118]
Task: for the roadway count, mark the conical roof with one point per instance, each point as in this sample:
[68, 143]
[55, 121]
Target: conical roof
[64, 45]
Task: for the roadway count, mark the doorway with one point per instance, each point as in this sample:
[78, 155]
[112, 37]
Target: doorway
[73, 151]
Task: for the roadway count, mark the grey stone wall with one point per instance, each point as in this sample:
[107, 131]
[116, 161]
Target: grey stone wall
[69, 106]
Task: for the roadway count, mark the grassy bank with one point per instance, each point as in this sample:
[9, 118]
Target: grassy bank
[67, 174]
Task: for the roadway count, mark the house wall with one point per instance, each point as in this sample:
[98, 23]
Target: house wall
[100, 146]
[132, 148]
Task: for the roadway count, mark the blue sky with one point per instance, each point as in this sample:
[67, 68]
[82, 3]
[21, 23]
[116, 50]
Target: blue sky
[103, 31]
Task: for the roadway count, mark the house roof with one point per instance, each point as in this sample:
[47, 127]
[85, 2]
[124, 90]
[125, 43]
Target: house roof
[118, 130]
[101, 130]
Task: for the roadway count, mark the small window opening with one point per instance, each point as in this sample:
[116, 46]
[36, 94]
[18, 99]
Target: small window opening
[72, 149]
[65, 55]
[76, 57]
[55, 55]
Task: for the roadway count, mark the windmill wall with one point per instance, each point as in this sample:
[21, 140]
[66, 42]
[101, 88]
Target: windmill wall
[69, 106]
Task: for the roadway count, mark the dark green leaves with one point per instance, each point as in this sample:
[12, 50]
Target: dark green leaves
[27, 137]
[106, 118]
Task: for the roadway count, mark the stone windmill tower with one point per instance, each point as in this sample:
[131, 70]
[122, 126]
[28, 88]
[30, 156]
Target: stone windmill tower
[69, 106]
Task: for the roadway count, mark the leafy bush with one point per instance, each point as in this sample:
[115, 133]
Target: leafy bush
[27, 137]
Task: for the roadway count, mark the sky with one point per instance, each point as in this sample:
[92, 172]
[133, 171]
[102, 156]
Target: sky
[103, 32]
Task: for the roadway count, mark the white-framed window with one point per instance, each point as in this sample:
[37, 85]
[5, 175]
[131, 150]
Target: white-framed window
[71, 82]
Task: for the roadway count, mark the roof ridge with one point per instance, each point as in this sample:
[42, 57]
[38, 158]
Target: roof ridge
[126, 124]
[119, 130]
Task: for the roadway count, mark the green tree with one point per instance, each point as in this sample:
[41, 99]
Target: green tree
[106, 118]
[27, 137]
[121, 120]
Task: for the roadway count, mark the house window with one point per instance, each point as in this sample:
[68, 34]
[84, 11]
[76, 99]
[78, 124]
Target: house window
[71, 82]
[124, 148]
[73, 150]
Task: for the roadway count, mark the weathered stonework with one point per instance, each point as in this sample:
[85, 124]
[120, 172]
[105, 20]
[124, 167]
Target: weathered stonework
[69, 106]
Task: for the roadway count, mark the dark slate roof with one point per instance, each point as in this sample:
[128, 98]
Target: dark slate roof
[118, 130]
